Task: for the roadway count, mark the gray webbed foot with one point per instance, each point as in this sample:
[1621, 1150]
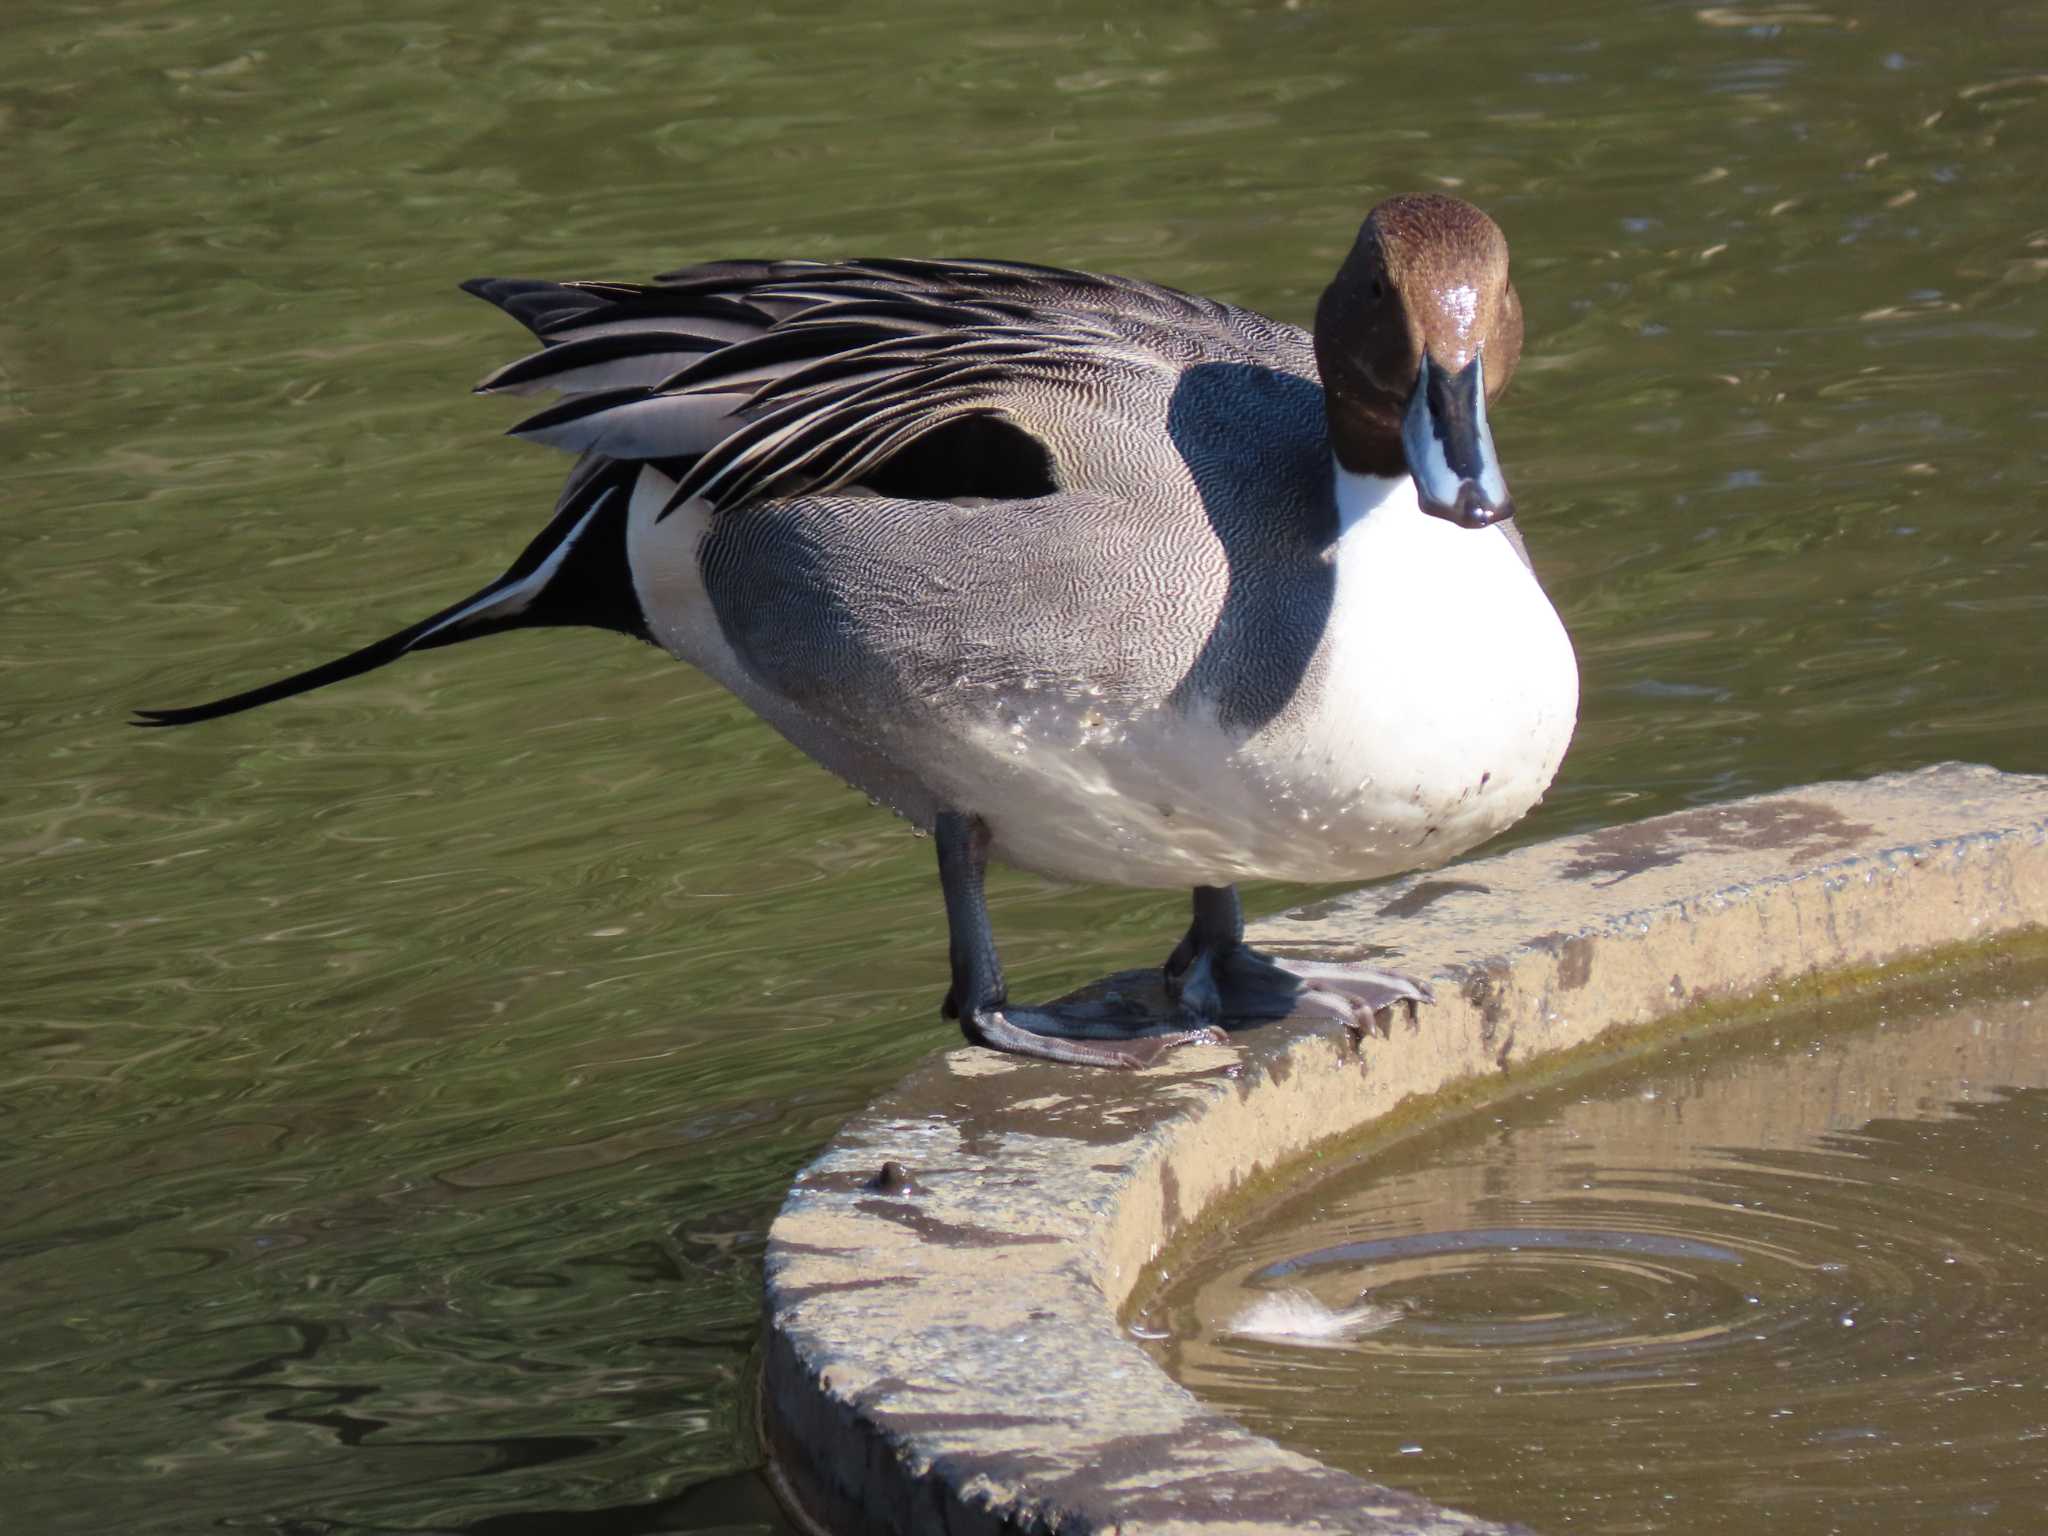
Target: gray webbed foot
[1058, 1032]
[1213, 974]
[1089, 1034]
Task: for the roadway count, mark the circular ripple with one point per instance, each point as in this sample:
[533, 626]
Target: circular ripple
[1543, 1289]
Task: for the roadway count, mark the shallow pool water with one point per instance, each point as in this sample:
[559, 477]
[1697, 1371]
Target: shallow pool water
[1785, 1280]
[398, 1082]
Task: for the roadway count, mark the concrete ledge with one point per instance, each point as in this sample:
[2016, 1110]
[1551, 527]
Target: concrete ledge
[943, 1350]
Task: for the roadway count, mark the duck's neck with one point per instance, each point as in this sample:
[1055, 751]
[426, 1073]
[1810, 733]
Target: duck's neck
[1360, 497]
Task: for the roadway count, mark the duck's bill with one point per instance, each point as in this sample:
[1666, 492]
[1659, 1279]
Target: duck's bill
[1449, 447]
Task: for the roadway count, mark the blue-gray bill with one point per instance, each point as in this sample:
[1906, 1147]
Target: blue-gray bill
[1449, 447]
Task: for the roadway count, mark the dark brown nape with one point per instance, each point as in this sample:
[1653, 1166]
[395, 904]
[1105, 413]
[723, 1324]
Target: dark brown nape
[1427, 273]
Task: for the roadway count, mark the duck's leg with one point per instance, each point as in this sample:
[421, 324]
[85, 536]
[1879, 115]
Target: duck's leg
[1085, 1034]
[1216, 975]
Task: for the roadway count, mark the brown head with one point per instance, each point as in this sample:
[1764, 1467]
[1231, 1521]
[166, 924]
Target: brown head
[1417, 333]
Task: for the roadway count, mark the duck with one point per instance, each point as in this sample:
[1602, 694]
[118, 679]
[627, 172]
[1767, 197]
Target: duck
[1078, 572]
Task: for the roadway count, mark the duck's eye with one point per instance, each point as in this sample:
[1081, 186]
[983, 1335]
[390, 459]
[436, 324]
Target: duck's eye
[1379, 290]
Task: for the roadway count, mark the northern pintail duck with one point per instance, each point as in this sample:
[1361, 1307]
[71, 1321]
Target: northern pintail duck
[1103, 579]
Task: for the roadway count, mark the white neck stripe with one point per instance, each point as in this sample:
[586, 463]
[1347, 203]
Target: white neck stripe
[1359, 496]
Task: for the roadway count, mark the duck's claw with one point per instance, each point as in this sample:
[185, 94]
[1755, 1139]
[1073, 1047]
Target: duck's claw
[1083, 1035]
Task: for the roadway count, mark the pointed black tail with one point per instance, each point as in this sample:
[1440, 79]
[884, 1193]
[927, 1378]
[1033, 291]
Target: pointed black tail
[444, 628]
[574, 573]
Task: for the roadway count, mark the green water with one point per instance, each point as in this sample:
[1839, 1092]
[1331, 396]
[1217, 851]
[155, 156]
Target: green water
[398, 1081]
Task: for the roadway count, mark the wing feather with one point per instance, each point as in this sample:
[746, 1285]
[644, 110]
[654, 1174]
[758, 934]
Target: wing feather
[780, 377]
[633, 359]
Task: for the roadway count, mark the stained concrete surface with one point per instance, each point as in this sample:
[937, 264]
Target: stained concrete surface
[943, 1352]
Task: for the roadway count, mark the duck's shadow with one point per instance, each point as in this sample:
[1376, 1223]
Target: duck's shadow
[1255, 441]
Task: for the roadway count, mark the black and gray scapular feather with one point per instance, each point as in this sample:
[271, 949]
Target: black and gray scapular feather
[778, 378]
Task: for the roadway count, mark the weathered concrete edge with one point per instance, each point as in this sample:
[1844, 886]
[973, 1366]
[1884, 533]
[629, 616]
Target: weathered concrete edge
[944, 1356]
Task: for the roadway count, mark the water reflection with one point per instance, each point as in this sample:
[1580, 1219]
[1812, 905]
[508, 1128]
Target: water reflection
[1787, 1279]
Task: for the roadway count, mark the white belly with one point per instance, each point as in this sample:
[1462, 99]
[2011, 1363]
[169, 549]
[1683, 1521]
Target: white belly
[1448, 695]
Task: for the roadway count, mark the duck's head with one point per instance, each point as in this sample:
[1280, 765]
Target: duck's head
[1417, 332]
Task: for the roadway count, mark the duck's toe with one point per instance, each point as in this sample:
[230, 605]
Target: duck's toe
[1239, 982]
[1084, 1034]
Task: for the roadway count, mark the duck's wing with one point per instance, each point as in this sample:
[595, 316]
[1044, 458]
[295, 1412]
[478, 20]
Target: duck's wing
[756, 378]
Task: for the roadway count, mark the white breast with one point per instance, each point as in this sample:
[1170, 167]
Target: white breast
[1451, 694]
